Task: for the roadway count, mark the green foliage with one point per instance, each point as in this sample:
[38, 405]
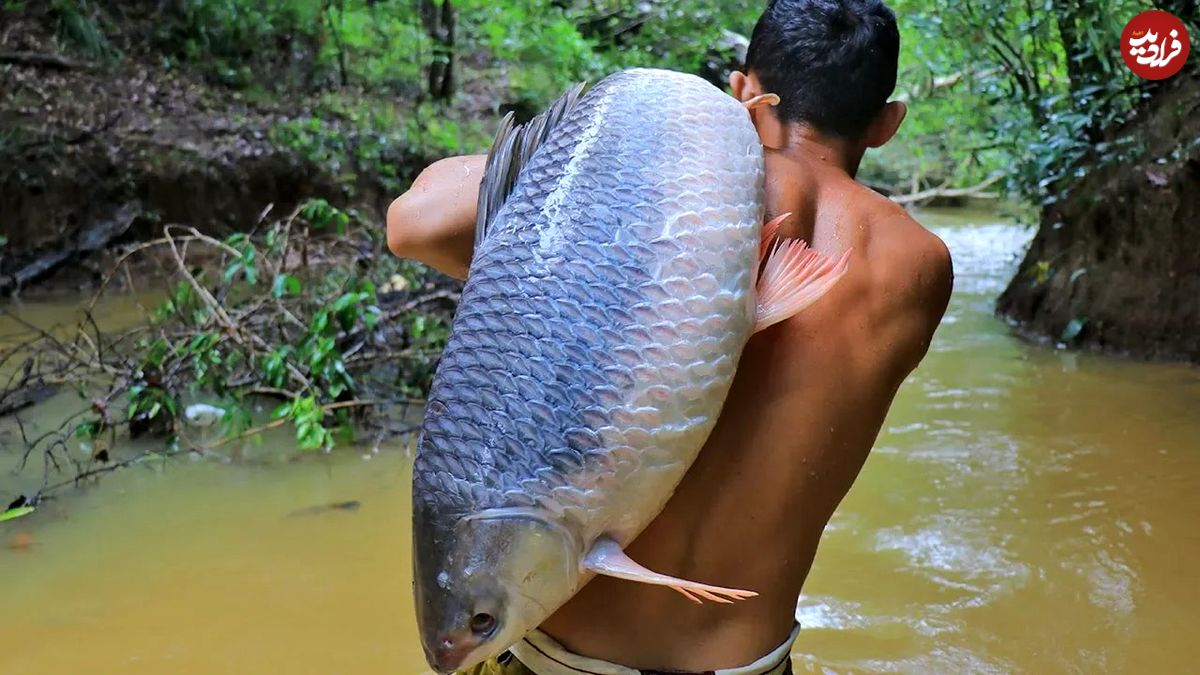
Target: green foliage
[147, 402]
[281, 315]
[994, 87]
[1027, 90]
[79, 24]
[1035, 87]
[13, 514]
[228, 38]
[243, 263]
[323, 216]
[357, 141]
[306, 41]
[308, 417]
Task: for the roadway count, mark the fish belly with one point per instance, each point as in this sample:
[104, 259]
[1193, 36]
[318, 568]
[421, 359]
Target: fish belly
[604, 314]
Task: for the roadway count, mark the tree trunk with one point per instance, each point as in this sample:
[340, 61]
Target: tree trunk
[1084, 66]
[439, 21]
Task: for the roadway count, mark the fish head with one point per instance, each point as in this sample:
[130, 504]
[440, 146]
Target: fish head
[500, 575]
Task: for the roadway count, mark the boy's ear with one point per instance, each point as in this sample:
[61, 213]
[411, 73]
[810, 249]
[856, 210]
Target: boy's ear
[886, 123]
[746, 86]
[743, 86]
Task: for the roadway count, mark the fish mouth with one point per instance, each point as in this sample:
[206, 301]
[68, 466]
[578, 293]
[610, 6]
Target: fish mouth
[457, 649]
[449, 656]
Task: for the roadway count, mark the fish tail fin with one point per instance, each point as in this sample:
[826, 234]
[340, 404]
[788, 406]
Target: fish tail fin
[606, 557]
[794, 277]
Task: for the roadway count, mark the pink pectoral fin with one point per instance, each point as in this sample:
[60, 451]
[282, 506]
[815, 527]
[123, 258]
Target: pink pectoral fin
[770, 230]
[607, 558]
[793, 278]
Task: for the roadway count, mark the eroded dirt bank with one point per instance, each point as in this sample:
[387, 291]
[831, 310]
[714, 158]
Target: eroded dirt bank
[94, 152]
[1115, 265]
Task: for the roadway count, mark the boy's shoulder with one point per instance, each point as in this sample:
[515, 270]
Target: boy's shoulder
[894, 234]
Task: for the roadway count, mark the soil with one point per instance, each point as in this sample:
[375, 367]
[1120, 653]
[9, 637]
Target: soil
[1115, 265]
[83, 143]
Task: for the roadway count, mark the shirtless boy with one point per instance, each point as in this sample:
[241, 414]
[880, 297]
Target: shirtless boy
[810, 394]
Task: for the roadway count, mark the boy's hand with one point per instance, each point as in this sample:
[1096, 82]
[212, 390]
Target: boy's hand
[434, 222]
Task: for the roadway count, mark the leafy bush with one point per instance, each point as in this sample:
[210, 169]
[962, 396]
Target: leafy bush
[280, 315]
[1039, 87]
[80, 24]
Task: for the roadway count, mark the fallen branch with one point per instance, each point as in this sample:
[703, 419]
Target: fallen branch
[26, 396]
[43, 60]
[93, 238]
[936, 84]
[942, 192]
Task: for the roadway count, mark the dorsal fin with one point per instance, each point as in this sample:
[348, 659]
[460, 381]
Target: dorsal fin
[511, 150]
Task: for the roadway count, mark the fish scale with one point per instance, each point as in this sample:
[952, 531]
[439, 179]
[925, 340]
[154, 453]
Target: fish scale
[576, 259]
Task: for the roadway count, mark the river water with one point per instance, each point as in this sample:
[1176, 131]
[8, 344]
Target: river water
[1027, 509]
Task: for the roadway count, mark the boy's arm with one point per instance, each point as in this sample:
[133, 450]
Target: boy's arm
[434, 222]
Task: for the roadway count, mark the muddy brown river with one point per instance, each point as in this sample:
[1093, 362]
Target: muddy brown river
[1026, 510]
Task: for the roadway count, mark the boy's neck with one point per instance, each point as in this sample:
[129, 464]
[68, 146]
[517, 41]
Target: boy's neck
[802, 142]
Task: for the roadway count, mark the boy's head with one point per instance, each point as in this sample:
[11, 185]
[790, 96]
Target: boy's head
[832, 63]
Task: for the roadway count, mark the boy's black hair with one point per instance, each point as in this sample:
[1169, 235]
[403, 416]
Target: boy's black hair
[832, 62]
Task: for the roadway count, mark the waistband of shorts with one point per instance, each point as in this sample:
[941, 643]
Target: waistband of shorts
[545, 656]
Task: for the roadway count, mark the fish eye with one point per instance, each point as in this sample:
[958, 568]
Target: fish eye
[482, 623]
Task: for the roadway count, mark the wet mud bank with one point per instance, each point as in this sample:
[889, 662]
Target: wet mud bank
[1115, 265]
[92, 156]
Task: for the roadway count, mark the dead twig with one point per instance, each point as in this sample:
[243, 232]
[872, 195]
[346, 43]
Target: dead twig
[43, 60]
[940, 192]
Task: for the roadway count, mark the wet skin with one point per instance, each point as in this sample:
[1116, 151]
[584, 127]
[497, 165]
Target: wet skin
[808, 400]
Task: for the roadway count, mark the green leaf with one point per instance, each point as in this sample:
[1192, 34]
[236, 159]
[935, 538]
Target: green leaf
[320, 322]
[13, 514]
[346, 300]
[285, 284]
[87, 430]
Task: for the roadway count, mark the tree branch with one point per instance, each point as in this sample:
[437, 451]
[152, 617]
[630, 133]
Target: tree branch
[41, 60]
[975, 192]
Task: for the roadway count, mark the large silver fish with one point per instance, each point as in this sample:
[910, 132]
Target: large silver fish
[612, 289]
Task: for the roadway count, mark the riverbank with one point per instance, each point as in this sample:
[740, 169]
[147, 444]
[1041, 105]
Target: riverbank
[1115, 265]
